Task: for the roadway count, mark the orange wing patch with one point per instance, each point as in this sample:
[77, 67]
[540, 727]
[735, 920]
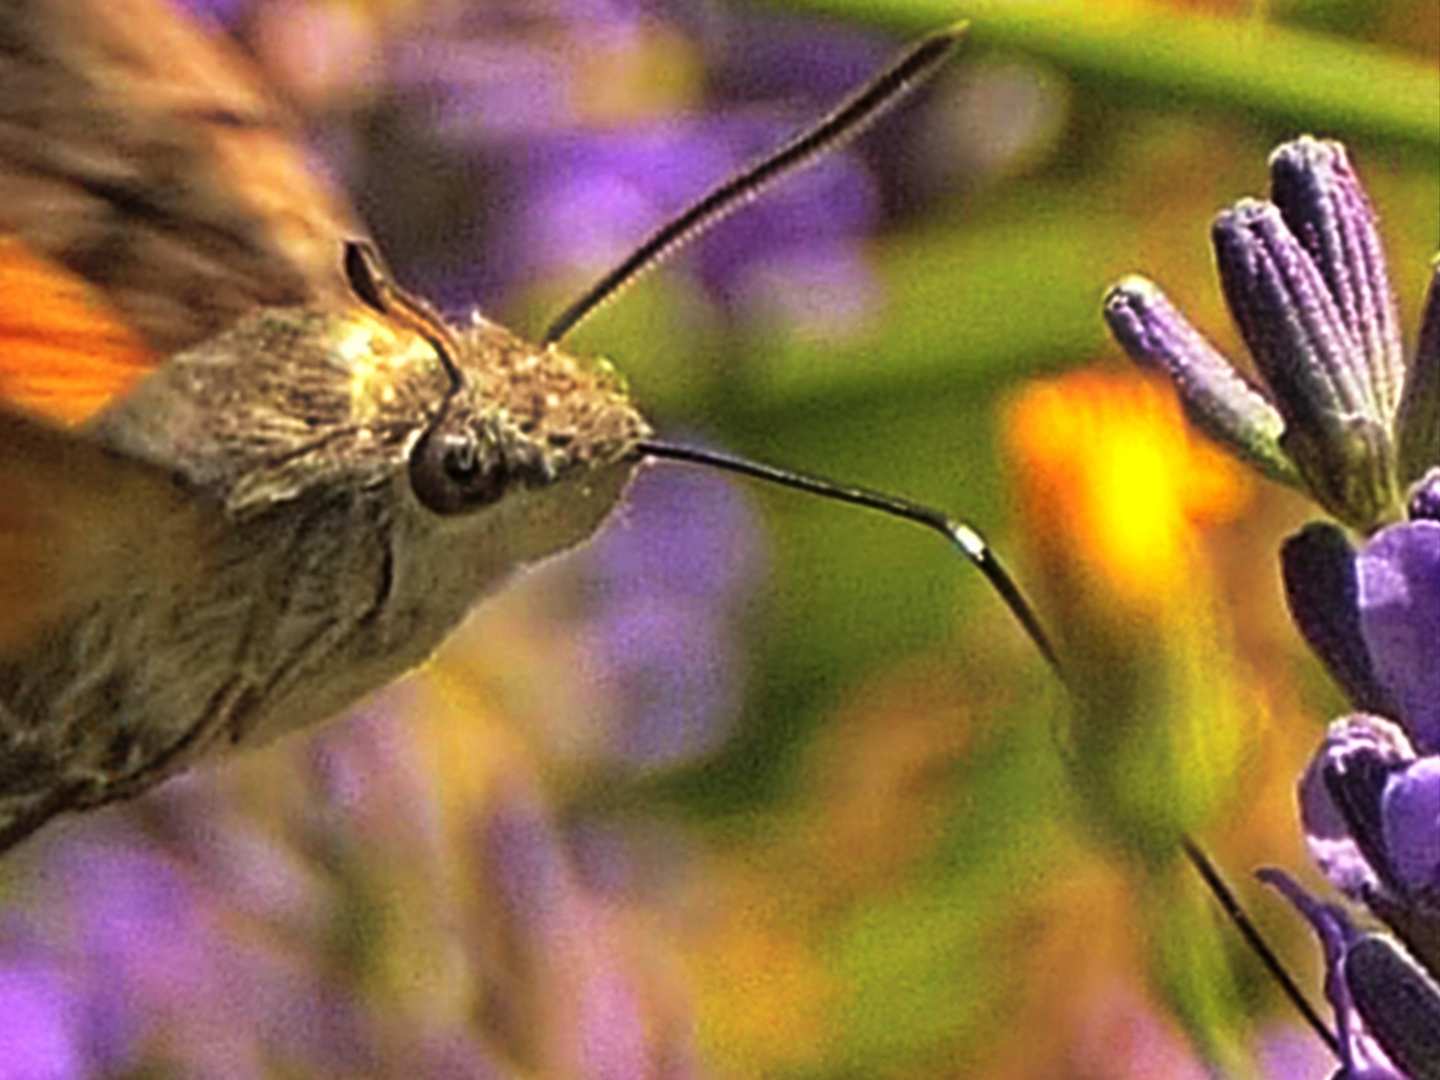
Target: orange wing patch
[64, 353]
[78, 523]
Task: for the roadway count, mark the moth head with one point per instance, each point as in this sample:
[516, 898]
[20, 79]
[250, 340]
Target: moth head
[515, 415]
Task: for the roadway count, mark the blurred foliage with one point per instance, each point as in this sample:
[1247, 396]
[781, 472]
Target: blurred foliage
[903, 853]
[1218, 55]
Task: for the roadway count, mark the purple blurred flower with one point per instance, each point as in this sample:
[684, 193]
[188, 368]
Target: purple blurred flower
[566, 988]
[1122, 1037]
[672, 581]
[225, 12]
[147, 973]
[1304, 275]
[172, 967]
[539, 172]
[39, 1039]
[1291, 1052]
[580, 200]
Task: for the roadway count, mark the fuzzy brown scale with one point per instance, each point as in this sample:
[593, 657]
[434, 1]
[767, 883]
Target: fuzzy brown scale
[299, 571]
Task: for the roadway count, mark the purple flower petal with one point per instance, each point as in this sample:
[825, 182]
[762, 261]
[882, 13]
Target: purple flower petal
[1340, 797]
[1399, 1003]
[1424, 504]
[1419, 419]
[1322, 587]
[1216, 397]
[1328, 211]
[1372, 824]
[1410, 817]
[1399, 573]
[1361, 1054]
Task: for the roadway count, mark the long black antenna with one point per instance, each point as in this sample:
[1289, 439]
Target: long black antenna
[971, 544]
[1220, 889]
[849, 119]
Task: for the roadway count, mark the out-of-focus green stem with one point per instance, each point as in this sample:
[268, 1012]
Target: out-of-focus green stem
[1333, 87]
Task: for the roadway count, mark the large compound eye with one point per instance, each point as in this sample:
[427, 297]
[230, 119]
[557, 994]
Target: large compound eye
[453, 470]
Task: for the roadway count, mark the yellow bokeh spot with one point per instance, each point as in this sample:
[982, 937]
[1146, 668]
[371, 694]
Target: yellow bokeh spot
[762, 991]
[1113, 480]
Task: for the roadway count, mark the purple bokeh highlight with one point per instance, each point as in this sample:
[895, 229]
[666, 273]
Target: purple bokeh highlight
[672, 581]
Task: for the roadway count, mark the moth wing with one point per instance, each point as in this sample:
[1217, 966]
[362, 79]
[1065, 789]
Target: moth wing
[75, 519]
[151, 191]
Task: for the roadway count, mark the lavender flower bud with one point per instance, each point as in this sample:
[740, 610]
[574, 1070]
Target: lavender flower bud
[1217, 398]
[1367, 1052]
[1419, 419]
[1336, 425]
[1305, 279]
[1329, 213]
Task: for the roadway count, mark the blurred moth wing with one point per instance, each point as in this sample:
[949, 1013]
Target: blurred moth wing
[149, 162]
[244, 480]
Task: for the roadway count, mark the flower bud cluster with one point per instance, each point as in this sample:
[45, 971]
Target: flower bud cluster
[1335, 410]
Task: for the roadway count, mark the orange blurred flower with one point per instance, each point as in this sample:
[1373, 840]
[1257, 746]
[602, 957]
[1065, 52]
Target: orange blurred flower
[1115, 494]
[1114, 484]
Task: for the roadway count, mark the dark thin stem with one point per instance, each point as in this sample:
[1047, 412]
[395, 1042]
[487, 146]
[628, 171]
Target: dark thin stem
[848, 120]
[1222, 892]
[970, 542]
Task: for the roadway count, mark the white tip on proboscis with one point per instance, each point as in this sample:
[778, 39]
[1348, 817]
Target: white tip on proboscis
[970, 541]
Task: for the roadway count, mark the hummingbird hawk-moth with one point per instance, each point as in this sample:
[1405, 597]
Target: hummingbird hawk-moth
[240, 487]
[245, 479]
